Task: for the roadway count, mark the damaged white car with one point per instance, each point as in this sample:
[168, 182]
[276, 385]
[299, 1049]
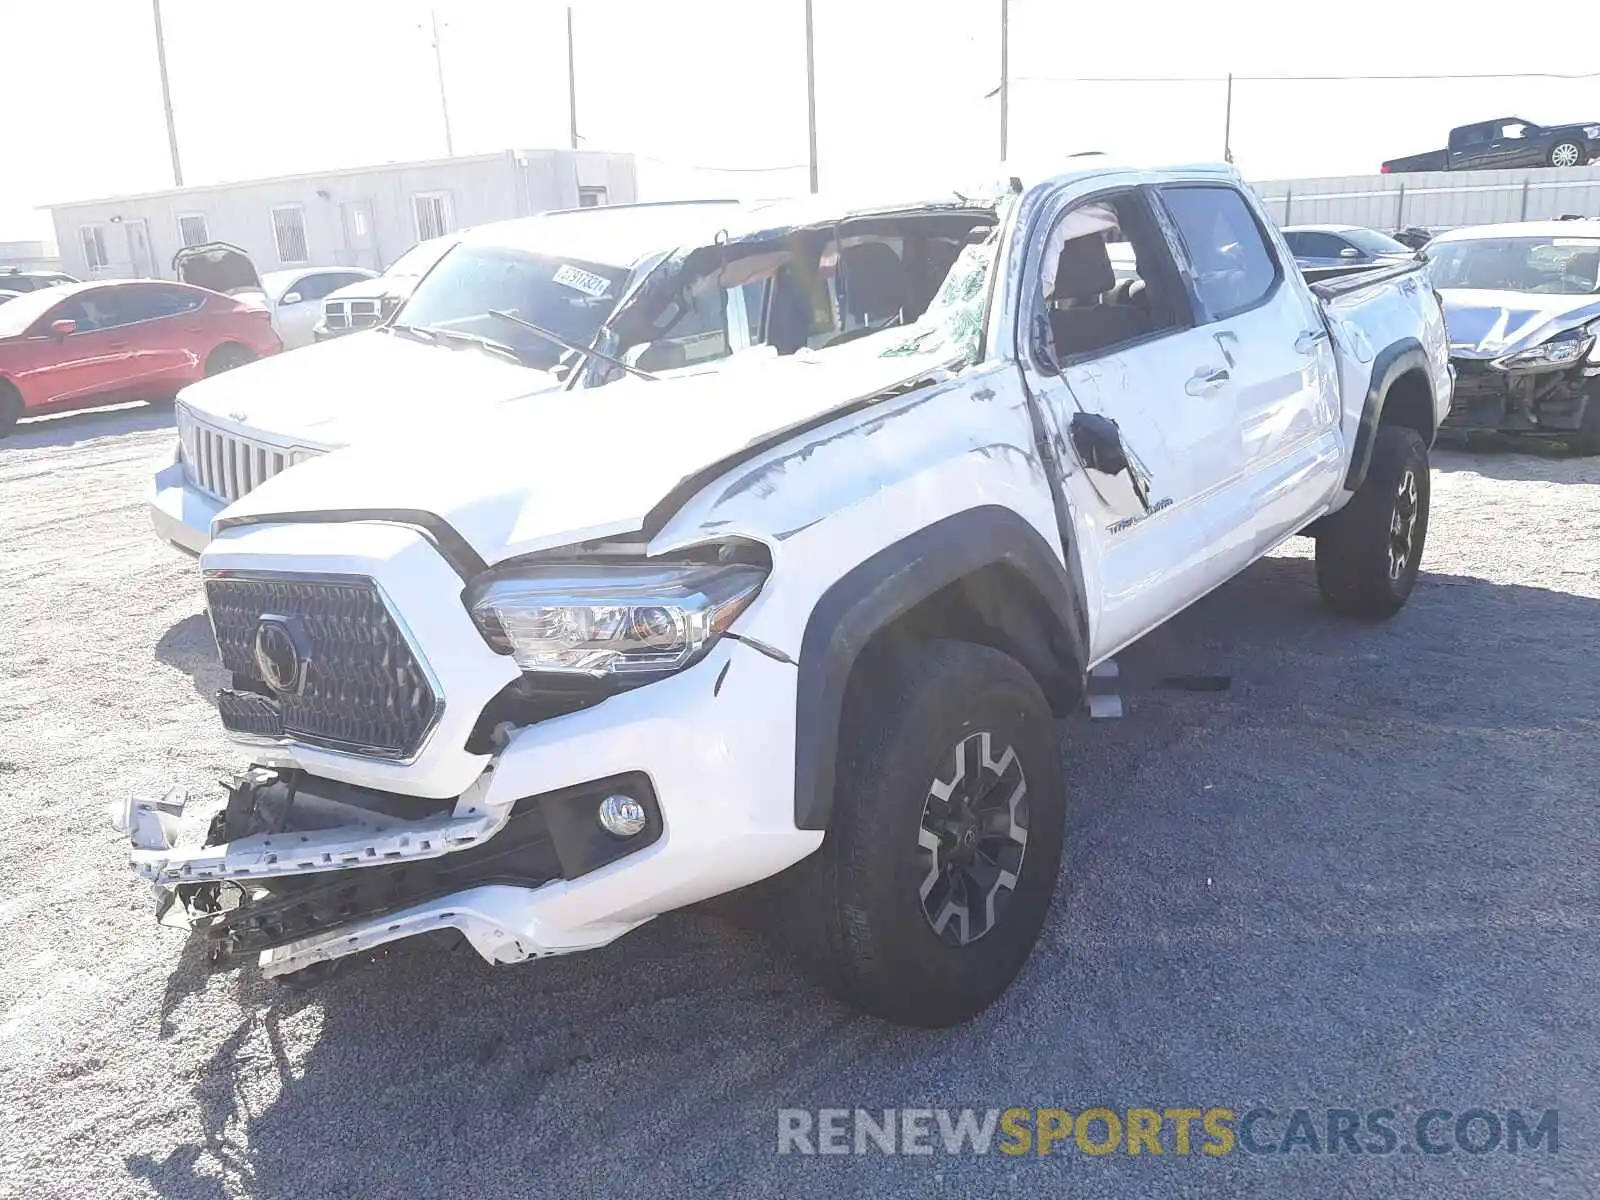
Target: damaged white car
[439, 353]
[1522, 303]
[564, 667]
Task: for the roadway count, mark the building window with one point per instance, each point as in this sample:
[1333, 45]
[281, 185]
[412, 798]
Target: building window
[94, 246]
[592, 197]
[433, 215]
[289, 231]
[192, 229]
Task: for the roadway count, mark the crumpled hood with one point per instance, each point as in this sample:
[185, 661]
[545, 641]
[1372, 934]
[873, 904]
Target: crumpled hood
[330, 394]
[1489, 324]
[578, 464]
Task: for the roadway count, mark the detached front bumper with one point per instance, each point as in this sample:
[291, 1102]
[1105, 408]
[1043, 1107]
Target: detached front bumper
[302, 869]
[182, 513]
[1529, 402]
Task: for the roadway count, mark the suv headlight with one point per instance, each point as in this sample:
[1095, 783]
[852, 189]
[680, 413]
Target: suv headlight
[1591, 131]
[627, 620]
[1560, 350]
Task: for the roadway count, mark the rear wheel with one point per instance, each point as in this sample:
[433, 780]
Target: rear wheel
[1370, 550]
[1566, 153]
[228, 356]
[10, 407]
[936, 874]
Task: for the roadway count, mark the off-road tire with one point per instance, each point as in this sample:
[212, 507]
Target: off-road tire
[10, 407]
[1587, 439]
[854, 911]
[228, 356]
[1359, 547]
[1579, 156]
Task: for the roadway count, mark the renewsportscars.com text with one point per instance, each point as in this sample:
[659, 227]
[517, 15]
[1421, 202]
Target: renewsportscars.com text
[1212, 1131]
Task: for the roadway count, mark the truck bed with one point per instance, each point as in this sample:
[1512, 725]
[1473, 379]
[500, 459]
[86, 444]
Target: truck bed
[1329, 282]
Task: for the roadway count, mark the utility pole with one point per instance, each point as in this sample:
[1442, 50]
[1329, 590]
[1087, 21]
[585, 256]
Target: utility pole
[1227, 124]
[166, 97]
[572, 84]
[811, 95]
[1005, 76]
[444, 104]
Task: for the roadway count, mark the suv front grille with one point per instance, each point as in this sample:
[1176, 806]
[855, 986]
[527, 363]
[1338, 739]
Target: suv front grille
[351, 314]
[225, 465]
[358, 685]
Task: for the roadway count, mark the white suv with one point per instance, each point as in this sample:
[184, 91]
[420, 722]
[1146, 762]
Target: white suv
[568, 666]
[424, 365]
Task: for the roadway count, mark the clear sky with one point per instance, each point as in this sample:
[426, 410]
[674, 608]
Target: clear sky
[299, 85]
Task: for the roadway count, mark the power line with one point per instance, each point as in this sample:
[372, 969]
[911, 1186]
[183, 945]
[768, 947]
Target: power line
[1581, 75]
[668, 162]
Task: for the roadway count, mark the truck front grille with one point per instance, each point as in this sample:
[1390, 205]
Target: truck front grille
[226, 465]
[357, 685]
[351, 314]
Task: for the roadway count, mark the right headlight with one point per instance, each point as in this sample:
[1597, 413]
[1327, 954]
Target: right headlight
[1564, 348]
[630, 620]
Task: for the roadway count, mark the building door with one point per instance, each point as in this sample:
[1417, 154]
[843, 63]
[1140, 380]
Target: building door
[360, 240]
[141, 262]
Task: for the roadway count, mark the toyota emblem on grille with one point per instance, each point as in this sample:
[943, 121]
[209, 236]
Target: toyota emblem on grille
[281, 655]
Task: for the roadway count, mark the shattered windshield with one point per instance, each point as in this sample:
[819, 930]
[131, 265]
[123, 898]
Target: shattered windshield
[570, 298]
[811, 289]
[953, 325]
[1559, 265]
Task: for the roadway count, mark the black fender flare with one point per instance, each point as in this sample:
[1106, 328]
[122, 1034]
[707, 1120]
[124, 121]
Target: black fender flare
[889, 584]
[1391, 362]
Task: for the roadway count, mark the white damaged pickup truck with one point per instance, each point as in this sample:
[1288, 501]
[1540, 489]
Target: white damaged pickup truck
[568, 666]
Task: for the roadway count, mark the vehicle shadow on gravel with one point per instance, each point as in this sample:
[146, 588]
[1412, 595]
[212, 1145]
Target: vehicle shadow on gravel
[190, 647]
[71, 428]
[1255, 902]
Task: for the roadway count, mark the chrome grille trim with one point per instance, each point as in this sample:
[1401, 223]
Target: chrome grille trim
[352, 314]
[227, 466]
[345, 681]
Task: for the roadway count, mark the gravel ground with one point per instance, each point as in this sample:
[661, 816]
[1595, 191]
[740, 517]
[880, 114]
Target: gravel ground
[1362, 876]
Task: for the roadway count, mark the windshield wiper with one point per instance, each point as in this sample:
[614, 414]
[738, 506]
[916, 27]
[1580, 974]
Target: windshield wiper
[567, 344]
[456, 335]
[415, 332]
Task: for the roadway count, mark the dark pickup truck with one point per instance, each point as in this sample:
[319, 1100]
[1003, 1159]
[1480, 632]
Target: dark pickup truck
[1506, 142]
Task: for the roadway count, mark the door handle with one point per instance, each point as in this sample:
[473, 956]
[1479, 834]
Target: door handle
[1206, 379]
[1307, 341]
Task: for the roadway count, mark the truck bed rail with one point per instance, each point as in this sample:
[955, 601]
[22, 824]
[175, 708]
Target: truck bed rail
[1329, 282]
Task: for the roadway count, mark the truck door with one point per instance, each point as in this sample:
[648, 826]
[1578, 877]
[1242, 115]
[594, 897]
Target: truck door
[1469, 146]
[1283, 393]
[1514, 145]
[1109, 331]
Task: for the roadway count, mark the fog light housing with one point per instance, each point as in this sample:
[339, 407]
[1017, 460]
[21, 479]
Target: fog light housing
[622, 816]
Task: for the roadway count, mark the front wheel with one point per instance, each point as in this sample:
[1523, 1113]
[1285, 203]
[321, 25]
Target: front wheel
[1369, 553]
[228, 356]
[10, 407]
[1587, 440]
[935, 877]
[1566, 154]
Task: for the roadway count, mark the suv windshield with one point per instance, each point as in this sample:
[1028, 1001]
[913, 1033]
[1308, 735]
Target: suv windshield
[1567, 266]
[565, 297]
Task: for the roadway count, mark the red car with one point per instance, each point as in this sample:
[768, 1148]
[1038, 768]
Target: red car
[83, 344]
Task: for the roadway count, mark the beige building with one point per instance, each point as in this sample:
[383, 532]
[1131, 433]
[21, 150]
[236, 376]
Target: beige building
[360, 216]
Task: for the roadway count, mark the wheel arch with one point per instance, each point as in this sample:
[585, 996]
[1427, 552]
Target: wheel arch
[985, 575]
[1399, 392]
[224, 346]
